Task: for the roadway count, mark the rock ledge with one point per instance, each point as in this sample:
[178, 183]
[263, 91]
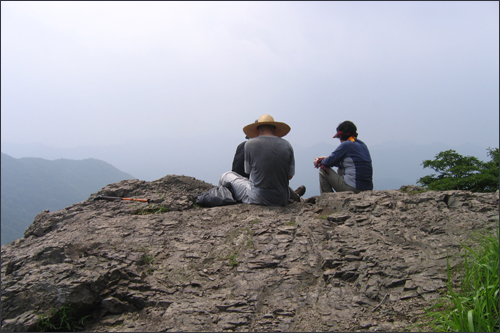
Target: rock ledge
[347, 262]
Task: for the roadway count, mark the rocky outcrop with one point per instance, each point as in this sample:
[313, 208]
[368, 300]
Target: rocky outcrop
[337, 262]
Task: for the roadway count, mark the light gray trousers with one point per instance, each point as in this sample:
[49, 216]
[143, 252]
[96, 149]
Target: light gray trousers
[241, 189]
[239, 186]
[333, 182]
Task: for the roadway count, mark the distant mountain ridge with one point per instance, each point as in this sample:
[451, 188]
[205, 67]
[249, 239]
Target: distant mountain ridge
[395, 163]
[30, 185]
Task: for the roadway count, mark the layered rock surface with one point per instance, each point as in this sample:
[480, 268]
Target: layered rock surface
[340, 262]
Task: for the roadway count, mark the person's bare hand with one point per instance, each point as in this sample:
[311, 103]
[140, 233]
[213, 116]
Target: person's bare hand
[319, 158]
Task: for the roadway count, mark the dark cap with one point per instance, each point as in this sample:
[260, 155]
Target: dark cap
[346, 129]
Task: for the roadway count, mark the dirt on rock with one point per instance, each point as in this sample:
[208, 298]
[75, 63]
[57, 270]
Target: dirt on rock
[372, 261]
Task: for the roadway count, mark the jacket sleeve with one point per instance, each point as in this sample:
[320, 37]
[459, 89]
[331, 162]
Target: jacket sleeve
[337, 156]
[246, 161]
[239, 158]
[291, 168]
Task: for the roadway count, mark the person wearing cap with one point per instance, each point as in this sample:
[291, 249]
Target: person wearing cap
[270, 163]
[352, 157]
[239, 159]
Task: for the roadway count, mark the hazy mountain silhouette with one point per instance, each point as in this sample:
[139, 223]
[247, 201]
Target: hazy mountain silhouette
[207, 158]
[30, 185]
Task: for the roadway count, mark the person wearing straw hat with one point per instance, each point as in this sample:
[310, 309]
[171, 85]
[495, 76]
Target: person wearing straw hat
[353, 160]
[270, 163]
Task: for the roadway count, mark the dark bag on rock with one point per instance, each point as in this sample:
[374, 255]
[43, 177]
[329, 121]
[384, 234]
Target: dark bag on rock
[217, 196]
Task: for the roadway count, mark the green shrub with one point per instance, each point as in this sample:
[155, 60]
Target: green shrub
[232, 259]
[457, 172]
[474, 307]
[63, 319]
[152, 209]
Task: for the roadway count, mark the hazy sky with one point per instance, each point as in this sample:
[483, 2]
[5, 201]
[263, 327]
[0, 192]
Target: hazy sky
[97, 73]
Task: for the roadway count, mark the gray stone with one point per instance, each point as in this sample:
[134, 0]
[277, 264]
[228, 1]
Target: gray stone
[378, 256]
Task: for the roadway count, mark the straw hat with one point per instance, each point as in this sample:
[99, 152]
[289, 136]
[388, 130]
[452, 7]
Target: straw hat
[251, 130]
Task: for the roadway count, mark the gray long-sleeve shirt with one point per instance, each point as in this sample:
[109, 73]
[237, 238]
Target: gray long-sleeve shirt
[270, 162]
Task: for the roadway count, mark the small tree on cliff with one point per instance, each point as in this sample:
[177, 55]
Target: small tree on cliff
[457, 172]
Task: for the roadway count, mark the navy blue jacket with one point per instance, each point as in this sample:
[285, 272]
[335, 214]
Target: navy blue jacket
[353, 158]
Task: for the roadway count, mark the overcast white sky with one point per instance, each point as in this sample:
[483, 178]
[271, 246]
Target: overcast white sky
[98, 73]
